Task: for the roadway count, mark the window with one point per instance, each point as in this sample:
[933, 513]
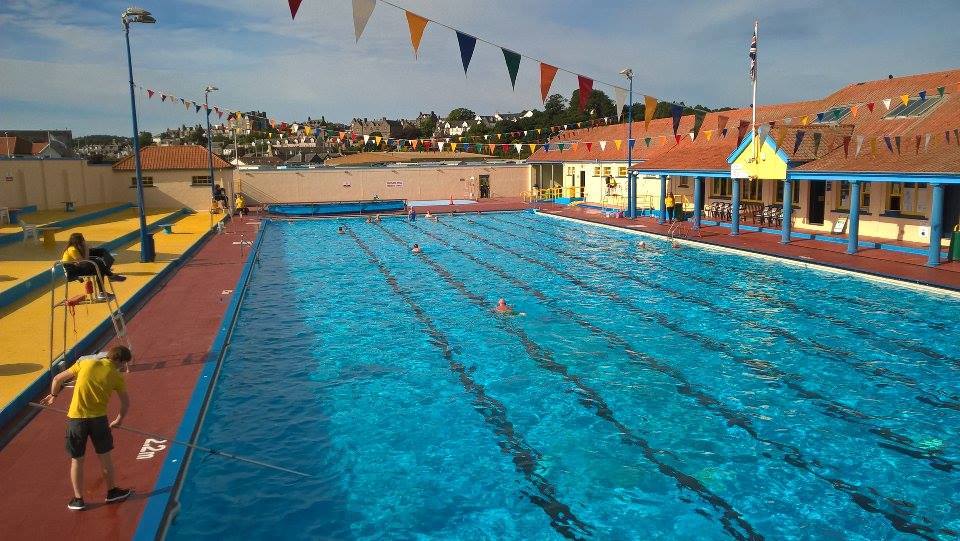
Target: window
[622, 171]
[721, 187]
[913, 108]
[147, 182]
[908, 198]
[834, 115]
[596, 171]
[844, 196]
[202, 180]
[606, 171]
[752, 190]
[570, 170]
[683, 182]
[794, 193]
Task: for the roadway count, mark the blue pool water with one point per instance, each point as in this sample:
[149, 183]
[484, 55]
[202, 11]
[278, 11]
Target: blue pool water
[645, 394]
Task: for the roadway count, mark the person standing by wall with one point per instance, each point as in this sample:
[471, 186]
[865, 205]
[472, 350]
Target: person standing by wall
[98, 376]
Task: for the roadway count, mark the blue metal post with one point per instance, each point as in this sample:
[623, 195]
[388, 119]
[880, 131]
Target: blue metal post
[853, 228]
[631, 180]
[147, 252]
[735, 208]
[213, 184]
[787, 210]
[936, 225]
[697, 201]
[663, 199]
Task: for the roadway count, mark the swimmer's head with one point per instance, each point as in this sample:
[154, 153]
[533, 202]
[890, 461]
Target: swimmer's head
[501, 303]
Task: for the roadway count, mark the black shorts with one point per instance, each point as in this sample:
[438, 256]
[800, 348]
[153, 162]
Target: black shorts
[96, 428]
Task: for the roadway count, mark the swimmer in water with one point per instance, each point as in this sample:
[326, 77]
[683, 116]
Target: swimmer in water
[505, 309]
[341, 230]
[416, 249]
[376, 219]
[674, 244]
[428, 215]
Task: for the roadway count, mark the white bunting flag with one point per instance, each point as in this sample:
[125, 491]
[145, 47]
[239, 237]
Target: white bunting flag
[788, 121]
[440, 145]
[926, 142]
[603, 145]
[518, 146]
[886, 103]
[859, 145]
[620, 96]
[366, 139]
[362, 9]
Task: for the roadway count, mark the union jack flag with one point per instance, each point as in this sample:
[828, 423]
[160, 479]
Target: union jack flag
[753, 55]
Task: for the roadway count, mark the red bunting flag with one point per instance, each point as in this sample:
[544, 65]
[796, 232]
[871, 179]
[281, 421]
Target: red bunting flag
[871, 105]
[294, 6]
[678, 137]
[586, 88]
[588, 144]
[149, 93]
[918, 144]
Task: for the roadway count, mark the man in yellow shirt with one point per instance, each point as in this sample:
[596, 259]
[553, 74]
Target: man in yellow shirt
[98, 376]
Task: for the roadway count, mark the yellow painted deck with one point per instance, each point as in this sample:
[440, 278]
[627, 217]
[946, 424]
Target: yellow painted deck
[22, 260]
[25, 326]
[47, 216]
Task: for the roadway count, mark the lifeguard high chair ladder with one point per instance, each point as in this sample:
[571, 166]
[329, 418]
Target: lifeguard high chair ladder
[87, 297]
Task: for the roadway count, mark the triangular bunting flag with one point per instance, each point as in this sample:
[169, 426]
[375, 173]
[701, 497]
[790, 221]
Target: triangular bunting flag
[926, 141]
[676, 111]
[722, 122]
[873, 147]
[149, 93]
[708, 133]
[905, 99]
[649, 108]
[781, 135]
[519, 147]
[588, 144]
[819, 117]
[896, 140]
[646, 141]
[573, 146]
[440, 145]
[698, 118]
[886, 103]
[798, 140]
[956, 135]
[923, 95]
[366, 139]
[362, 9]
[742, 130]
[198, 108]
[467, 44]
[378, 139]
[788, 121]
[513, 65]
[294, 6]
[533, 147]
[940, 90]
[603, 145]
[817, 136]
[493, 147]
[678, 137]
[870, 106]
[853, 111]
[163, 97]
[846, 146]
[546, 147]
[620, 97]
[805, 120]
[859, 145]
[547, 73]
[618, 143]
[416, 24]
[586, 88]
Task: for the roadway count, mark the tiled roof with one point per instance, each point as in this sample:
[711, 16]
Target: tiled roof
[14, 145]
[660, 132]
[38, 148]
[154, 158]
[702, 154]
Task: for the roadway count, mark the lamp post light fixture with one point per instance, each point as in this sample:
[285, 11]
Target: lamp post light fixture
[138, 15]
[631, 179]
[206, 102]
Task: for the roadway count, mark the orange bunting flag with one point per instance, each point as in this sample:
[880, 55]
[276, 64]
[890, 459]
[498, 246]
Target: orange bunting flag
[547, 73]
[649, 107]
[417, 24]
[781, 135]
[708, 134]
[853, 111]
[617, 143]
[905, 99]
[574, 146]
[493, 147]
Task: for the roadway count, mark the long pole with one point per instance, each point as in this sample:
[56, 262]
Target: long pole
[147, 253]
[631, 182]
[753, 108]
[213, 184]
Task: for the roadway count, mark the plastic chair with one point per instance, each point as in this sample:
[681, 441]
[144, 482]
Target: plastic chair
[29, 231]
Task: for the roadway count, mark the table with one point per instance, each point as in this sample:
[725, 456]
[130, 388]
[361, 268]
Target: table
[167, 228]
[49, 236]
[68, 206]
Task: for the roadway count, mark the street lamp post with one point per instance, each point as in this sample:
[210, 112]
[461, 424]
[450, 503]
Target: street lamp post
[137, 15]
[206, 102]
[631, 184]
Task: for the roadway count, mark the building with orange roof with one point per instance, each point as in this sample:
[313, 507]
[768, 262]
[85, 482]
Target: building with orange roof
[176, 175]
[590, 164]
[891, 144]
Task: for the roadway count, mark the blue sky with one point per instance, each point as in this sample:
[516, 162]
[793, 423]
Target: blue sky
[62, 63]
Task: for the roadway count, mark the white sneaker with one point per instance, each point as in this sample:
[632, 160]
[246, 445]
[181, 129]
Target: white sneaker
[103, 297]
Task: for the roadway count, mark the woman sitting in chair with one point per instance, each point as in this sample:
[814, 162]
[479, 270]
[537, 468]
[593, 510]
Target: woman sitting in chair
[79, 261]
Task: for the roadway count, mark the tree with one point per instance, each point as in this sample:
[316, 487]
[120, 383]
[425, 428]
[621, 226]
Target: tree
[461, 113]
[146, 139]
[554, 107]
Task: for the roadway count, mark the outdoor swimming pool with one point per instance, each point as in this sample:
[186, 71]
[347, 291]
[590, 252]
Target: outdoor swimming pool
[668, 394]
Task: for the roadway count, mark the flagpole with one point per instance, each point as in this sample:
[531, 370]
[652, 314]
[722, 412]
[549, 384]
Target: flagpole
[753, 108]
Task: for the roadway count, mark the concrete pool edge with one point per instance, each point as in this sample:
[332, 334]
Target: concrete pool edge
[924, 287]
[161, 509]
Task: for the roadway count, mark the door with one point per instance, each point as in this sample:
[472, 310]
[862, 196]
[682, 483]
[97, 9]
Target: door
[583, 183]
[817, 202]
[951, 208]
[484, 186]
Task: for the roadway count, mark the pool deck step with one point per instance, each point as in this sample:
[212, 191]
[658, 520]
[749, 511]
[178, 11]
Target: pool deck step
[12, 233]
[171, 334]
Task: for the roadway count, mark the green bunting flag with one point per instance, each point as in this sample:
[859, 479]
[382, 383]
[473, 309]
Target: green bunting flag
[513, 65]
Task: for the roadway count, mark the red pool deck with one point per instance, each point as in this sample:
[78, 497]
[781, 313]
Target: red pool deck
[885, 263]
[171, 335]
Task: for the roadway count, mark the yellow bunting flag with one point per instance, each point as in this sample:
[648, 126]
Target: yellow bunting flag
[498, 136]
[905, 99]
[417, 24]
[708, 134]
[781, 135]
[649, 107]
[873, 146]
[805, 120]
[618, 143]
[533, 147]
[307, 130]
[377, 138]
